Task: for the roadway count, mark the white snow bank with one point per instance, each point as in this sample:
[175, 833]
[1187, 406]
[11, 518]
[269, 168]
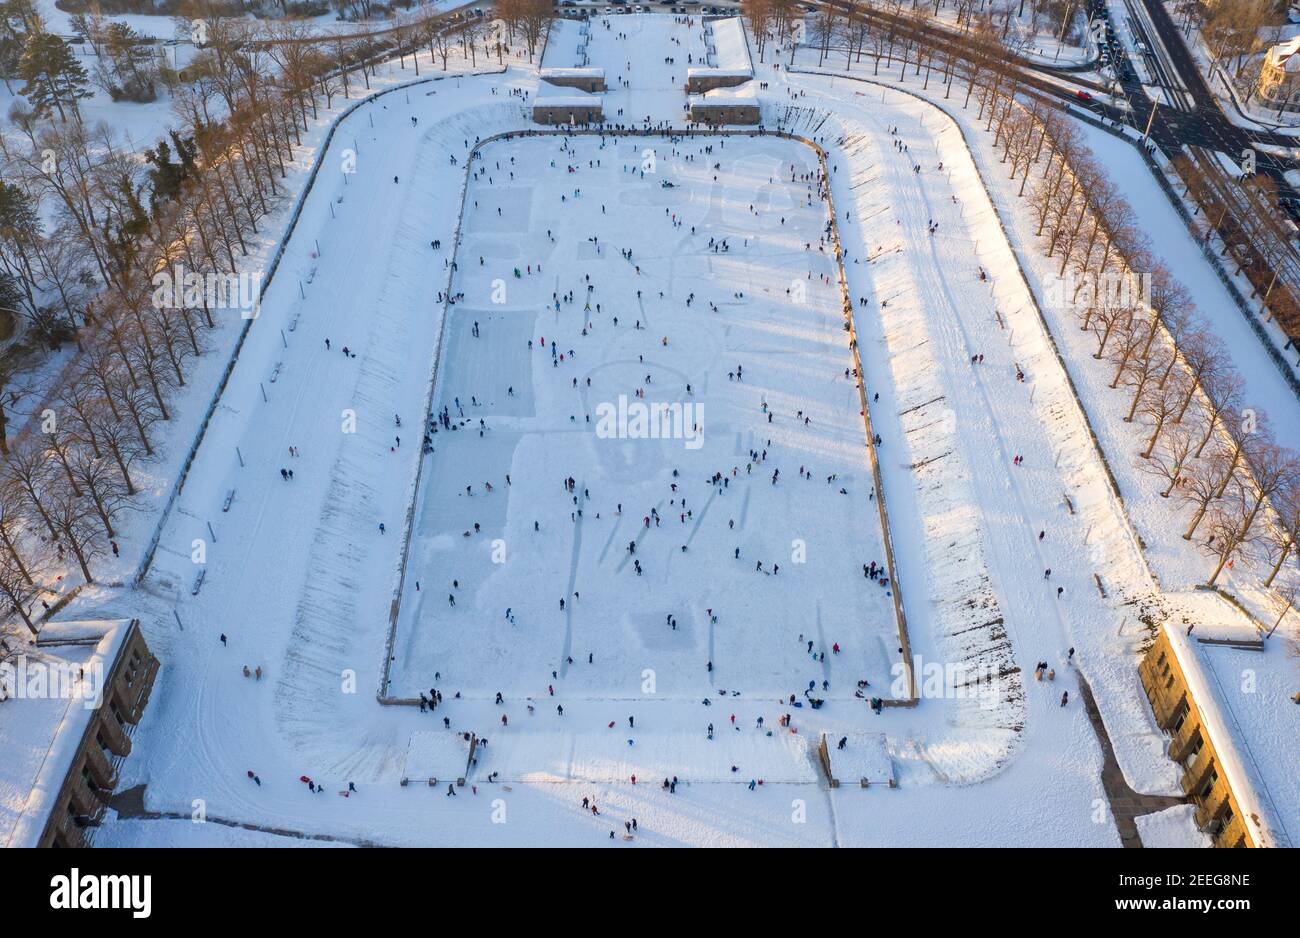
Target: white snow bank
[1171, 828]
[440, 754]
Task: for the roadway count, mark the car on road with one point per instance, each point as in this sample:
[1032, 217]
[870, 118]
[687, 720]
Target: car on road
[1083, 95]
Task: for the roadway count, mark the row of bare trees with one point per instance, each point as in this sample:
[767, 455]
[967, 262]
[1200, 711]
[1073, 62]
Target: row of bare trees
[1207, 447]
[137, 263]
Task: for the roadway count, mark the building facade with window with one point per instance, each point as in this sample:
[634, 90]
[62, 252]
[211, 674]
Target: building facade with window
[1228, 704]
[1279, 77]
[70, 698]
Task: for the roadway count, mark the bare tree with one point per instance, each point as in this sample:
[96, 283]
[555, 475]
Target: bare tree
[13, 527]
[1169, 460]
[1159, 403]
[28, 473]
[103, 485]
[17, 588]
[74, 519]
[1272, 469]
[1282, 533]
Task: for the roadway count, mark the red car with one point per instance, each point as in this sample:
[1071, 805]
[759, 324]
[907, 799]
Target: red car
[1083, 96]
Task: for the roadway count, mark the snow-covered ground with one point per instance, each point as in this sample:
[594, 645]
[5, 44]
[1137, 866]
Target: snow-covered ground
[354, 333]
[316, 620]
[1136, 548]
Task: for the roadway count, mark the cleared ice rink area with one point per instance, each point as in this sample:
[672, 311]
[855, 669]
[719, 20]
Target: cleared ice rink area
[751, 327]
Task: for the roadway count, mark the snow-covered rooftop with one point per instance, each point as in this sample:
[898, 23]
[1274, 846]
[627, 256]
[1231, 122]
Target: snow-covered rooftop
[741, 94]
[1283, 55]
[552, 95]
[556, 96]
[41, 726]
[729, 43]
[549, 73]
[1244, 697]
[725, 72]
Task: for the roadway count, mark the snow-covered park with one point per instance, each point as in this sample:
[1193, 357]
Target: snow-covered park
[545, 469]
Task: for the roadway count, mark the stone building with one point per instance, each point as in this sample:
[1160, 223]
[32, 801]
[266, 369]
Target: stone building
[590, 80]
[1228, 700]
[735, 106]
[69, 700]
[567, 110]
[1279, 77]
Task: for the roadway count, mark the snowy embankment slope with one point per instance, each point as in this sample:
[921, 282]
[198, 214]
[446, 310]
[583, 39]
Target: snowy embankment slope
[937, 316]
[1159, 521]
[1060, 487]
[928, 453]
